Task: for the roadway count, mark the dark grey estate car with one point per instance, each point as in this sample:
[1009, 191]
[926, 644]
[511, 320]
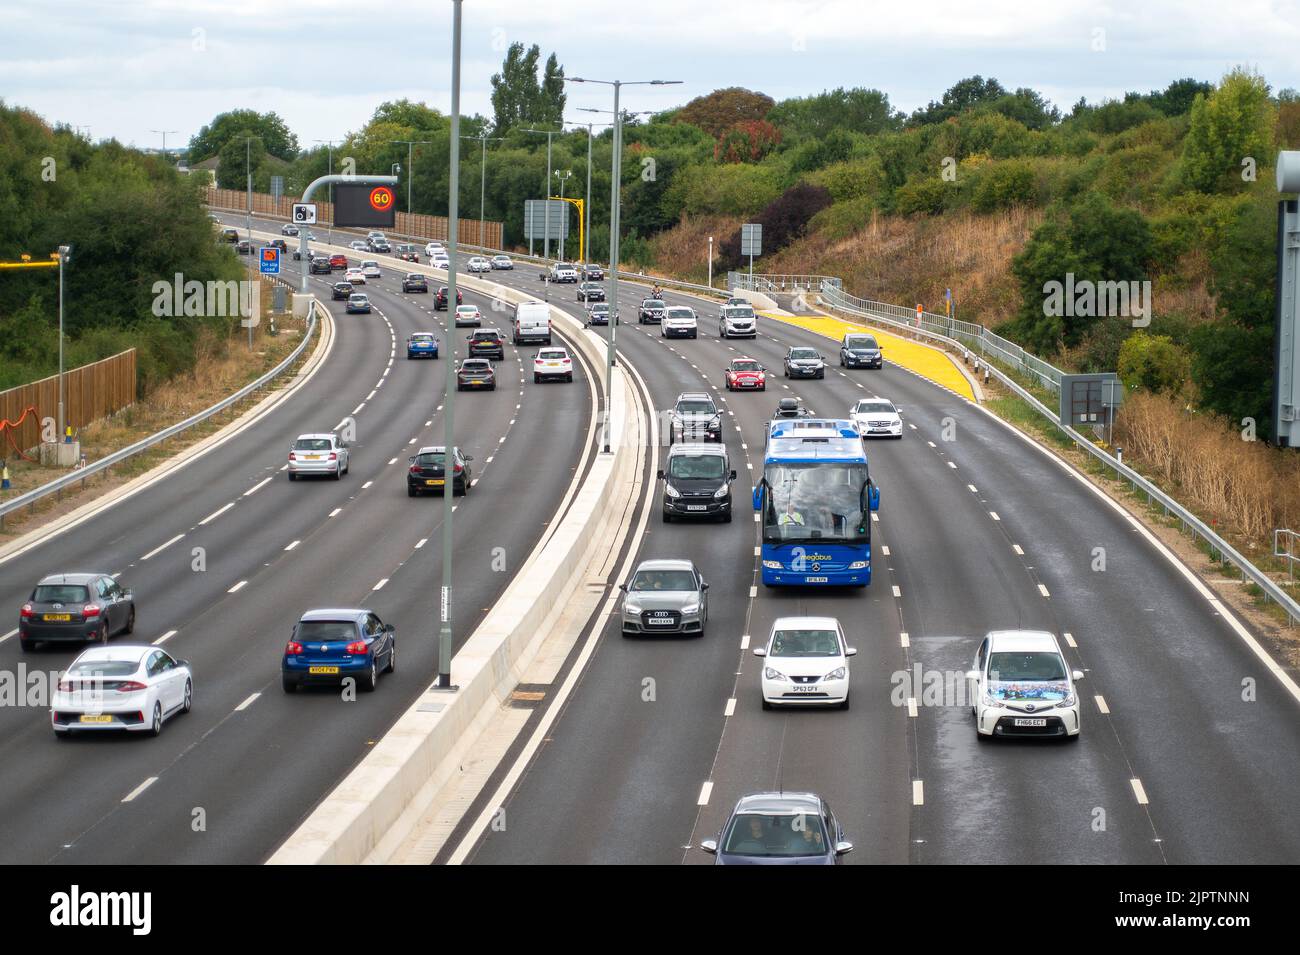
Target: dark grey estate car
[65, 608]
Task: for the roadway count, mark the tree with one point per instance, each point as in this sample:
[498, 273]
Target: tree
[1177, 98]
[748, 141]
[236, 159]
[961, 96]
[784, 220]
[276, 138]
[720, 110]
[549, 109]
[1233, 123]
[1152, 363]
[1027, 107]
[855, 110]
[414, 117]
[518, 99]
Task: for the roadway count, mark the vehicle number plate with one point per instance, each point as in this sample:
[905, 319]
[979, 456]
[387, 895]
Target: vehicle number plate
[697, 507]
[805, 688]
[87, 718]
[324, 671]
[660, 621]
[58, 617]
[435, 483]
[1031, 722]
[816, 580]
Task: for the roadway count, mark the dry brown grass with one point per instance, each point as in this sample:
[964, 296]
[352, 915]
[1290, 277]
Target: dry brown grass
[1245, 487]
[682, 251]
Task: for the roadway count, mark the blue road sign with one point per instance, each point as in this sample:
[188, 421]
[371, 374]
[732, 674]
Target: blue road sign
[270, 260]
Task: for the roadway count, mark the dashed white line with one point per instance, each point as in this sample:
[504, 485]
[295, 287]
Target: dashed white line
[366, 485]
[1019, 551]
[335, 511]
[1043, 590]
[217, 513]
[753, 592]
[705, 791]
[744, 642]
[1069, 639]
[393, 461]
[130, 797]
[162, 547]
[994, 515]
[884, 550]
[951, 465]
[257, 487]
[1139, 791]
[973, 488]
[247, 703]
[165, 637]
[292, 544]
[238, 587]
[730, 709]
[1101, 704]
[421, 542]
[911, 707]
[380, 585]
[918, 792]
[897, 592]
[903, 639]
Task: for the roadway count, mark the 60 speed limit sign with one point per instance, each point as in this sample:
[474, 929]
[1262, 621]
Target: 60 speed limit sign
[381, 198]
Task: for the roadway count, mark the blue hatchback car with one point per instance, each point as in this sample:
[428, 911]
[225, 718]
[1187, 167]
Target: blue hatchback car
[421, 345]
[331, 645]
[780, 829]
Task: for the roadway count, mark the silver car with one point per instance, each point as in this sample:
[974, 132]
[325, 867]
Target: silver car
[665, 596]
[318, 454]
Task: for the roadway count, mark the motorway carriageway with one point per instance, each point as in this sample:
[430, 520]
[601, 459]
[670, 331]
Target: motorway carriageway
[250, 762]
[981, 532]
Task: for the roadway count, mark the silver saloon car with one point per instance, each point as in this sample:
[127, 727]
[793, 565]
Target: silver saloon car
[665, 596]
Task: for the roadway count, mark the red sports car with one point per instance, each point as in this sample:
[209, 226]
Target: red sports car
[746, 374]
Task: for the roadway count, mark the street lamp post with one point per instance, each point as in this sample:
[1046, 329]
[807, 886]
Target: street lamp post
[586, 206]
[164, 137]
[615, 195]
[410, 165]
[65, 254]
[482, 184]
[710, 261]
[546, 192]
[329, 171]
[564, 175]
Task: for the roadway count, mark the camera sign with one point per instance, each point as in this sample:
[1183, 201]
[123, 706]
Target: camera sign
[304, 213]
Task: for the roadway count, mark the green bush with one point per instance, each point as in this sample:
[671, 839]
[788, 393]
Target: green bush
[843, 219]
[1153, 363]
[922, 197]
[852, 180]
[1004, 184]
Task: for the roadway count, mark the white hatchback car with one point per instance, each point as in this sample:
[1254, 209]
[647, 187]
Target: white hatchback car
[468, 316]
[552, 363]
[123, 687]
[807, 663]
[479, 264]
[877, 418]
[355, 276]
[1021, 686]
[370, 269]
[358, 246]
[433, 248]
[319, 454]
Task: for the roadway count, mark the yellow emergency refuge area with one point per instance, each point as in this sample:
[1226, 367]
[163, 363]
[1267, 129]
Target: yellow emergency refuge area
[927, 362]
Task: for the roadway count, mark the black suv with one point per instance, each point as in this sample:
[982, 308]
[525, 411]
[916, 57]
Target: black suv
[415, 282]
[697, 483]
[652, 310]
[487, 343]
[694, 418]
[320, 264]
[591, 292]
[860, 351]
[342, 291]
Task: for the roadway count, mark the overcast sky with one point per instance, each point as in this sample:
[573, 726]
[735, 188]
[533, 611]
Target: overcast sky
[128, 67]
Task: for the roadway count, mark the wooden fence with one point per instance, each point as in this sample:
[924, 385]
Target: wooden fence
[425, 227]
[91, 393]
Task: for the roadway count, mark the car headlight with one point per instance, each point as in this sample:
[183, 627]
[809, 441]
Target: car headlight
[632, 607]
[860, 565]
[773, 675]
[990, 701]
[692, 608]
[722, 491]
[1068, 701]
[772, 564]
[837, 674]
[671, 491]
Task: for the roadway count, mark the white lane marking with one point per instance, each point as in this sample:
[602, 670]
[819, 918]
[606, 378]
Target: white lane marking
[369, 396]
[162, 547]
[753, 592]
[973, 488]
[247, 703]
[238, 587]
[292, 545]
[380, 585]
[749, 466]
[930, 443]
[284, 467]
[705, 791]
[951, 465]
[217, 513]
[903, 639]
[744, 642]
[412, 441]
[335, 511]
[366, 485]
[911, 707]
[421, 542]
[489, 459]
[165, 637]
[393, 461]
[1069, 639]
[257, 487]
[430, 422]
[357, 409]
[918, 792]
[994, 515]
[1043, 590]
[730, 708]
[129, 797]
[1139, 791]
[884, 550]
[1018, 550]
[1101, 704]
[758, 551]
[756, 518]
[897, 592]
[875, 516]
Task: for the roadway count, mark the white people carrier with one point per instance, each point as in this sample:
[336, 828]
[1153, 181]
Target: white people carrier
[532, 323]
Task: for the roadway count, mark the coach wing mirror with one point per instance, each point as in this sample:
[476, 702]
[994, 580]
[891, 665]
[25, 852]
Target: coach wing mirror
[873, 495]
[732, 475]
[758, 497]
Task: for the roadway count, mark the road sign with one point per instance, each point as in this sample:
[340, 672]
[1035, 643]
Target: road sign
[270, 260]
[362, 204]
[536, 212]
[304, 213]
[1090, 399]
[751, 239]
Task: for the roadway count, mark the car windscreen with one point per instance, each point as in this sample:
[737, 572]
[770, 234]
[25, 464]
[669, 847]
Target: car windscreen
[475, 366]
[800, 353]
[815, 502]
[109, 668]
[875, 407]
[744, 366]
[805, 643]
[415, 277]
[430, 459]
[653, 580]
[311, 631]
[421, 337]
[1024, 666]
[695, 407]
[680, 313]
[652, 303]
[775, 836]
[487, 336]
[859, 341]
[552, 355]
[60, 594]
[697, 467]
[312, 444]
[739, 311]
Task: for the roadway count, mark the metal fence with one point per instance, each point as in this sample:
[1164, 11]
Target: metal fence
[117, 457]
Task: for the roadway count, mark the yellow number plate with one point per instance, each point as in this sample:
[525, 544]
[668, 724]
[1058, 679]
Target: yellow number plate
[58, 617]
[87, 718]
[324, 671]
[438, 483]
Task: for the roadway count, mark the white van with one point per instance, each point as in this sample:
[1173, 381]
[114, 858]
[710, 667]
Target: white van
[532, 323]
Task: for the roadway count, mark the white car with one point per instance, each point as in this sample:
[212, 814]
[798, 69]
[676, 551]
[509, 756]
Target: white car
[123, 687]
[323, 453]
[806, 663]
[433, 248]
[502, 262]
[479, 264]
[370, 269]
[1020, 686]
[375, 234]
[877, 418]
[552, 363]
[468, 315]
[679, 320]
[358, 246]
[563, 272]
[355, 276]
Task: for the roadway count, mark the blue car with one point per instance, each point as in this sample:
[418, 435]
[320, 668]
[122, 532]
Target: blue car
[422, 345]
[330, 646]
[780, 829]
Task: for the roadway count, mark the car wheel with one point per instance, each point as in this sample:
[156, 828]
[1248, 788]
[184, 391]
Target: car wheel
[762, 387]
[392, 658]
[980, 736]
[338, 472]
[292, 476]
[569, 377]
[371, 679]
[821, 374]
[766, 705]
[1074, 738]
[668, 518]
[189, 697]
[537, 379]
[845, 704]
[27, 646]
[290, 686]
[410, 491]
[726, 518]
[155, 727]
[103, 633]
[130, 621]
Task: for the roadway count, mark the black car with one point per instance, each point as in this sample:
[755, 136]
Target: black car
[803, 362]
[281, 245]
[780, 828]
[476, 373]
[66, 608]
[415, 282]
[244, 247]
[407, 253]
[320, 265]
[379, 245]
[593, 273]
[440, 301]
[697, 483]
[694, 418]
[591, 292]
[861, 351]
[341, 291]
[487, 343]
[426, 474]
[652, 311]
